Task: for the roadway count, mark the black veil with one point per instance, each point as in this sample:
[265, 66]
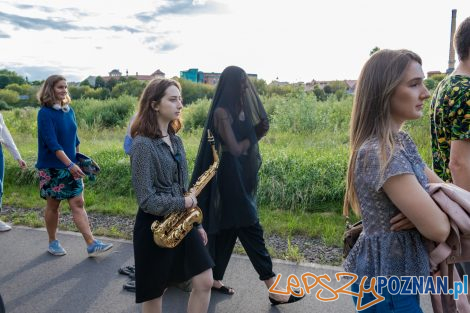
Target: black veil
[236, 115]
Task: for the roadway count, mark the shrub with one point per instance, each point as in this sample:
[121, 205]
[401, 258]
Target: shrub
[4, 105]
[194, 91]
[104, 113]
[9, 96]
[195, 115]
[23, 121]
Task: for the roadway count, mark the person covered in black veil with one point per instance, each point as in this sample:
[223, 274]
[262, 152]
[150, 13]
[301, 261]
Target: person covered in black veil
[238, 121]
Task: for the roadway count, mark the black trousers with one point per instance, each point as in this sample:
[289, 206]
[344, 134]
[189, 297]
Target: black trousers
[221, 247]
[2, 307]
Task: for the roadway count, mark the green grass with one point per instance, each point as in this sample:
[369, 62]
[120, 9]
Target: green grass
[28, 197]
[31, 219]
[326, 225]
[301, 181]
[329, 226]
[293, 252]
[111, 232]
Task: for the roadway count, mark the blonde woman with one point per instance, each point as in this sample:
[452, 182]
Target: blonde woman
[387, 179]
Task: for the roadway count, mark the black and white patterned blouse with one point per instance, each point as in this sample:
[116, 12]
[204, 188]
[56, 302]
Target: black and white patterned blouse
[159, 177]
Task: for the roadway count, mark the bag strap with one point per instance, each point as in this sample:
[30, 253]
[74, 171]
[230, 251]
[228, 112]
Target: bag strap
[346, 215]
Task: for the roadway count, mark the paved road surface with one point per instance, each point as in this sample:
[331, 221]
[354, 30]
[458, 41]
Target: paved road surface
[33, 281]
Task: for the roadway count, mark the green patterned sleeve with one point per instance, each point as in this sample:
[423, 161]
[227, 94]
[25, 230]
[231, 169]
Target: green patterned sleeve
[460, 113]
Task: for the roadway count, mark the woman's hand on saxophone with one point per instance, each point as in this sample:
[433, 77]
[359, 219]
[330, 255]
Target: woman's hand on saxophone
[190, 201]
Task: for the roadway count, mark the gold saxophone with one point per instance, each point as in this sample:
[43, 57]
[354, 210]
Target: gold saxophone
[175, 226]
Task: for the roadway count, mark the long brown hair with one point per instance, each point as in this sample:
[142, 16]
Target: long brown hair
[46, 94]
[371, 113]
[145, 122]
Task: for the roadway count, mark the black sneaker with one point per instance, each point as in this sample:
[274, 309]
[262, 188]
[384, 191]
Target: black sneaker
[127, 270]
[129, 286]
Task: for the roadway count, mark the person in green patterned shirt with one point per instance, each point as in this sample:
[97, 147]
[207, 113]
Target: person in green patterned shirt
[450, 121]
[450, 117]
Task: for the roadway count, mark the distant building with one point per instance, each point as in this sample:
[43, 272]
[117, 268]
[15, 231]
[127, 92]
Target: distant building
[211, 78]
[322, 83]
[158, 74]
[278, 83]
[311, 85]
[197, 76]
[433, 73]
[116, 74]
[193, 74]
[91, 80]
[350, 85]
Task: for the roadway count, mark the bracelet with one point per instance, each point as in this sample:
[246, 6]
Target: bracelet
[69, 167]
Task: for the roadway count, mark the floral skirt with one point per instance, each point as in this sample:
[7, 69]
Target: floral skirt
[59, 184]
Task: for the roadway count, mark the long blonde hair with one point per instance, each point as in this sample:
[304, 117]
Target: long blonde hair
[371, 113]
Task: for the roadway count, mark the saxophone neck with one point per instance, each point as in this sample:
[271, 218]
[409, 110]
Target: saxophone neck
[215, 155]
[204, 179]
[210, 139]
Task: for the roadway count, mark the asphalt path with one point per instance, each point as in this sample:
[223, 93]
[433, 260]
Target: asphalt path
[33, 281]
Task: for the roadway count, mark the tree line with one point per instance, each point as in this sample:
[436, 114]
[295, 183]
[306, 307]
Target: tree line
[16, 91]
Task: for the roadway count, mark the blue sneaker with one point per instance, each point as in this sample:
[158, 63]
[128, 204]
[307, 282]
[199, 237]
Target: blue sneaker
[98, 247]
[56, 249]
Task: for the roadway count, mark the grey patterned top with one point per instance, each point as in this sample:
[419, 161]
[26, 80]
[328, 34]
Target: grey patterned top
[380, 251]
[158, 185]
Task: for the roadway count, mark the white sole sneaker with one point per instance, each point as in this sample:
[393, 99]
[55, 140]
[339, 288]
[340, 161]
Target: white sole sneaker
[57, 253]
[101, 251]
[58, 250]
[4, 227]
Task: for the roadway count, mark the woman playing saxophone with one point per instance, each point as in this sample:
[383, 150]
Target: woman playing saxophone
[159, 177]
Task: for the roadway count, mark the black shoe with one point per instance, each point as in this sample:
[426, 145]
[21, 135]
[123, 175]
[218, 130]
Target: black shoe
[292, 299]
[226, 290]
[129, 286]
[127, 270]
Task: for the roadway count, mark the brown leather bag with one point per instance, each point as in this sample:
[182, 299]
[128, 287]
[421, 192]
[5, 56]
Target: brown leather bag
[350, 235]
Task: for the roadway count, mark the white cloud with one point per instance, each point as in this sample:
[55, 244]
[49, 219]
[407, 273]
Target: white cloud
[294, 40]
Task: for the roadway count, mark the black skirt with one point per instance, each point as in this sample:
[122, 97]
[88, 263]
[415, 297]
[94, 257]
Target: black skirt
[156, 267]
